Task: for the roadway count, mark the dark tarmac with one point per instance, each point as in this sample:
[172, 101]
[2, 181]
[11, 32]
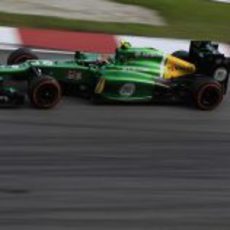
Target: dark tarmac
[138, 167]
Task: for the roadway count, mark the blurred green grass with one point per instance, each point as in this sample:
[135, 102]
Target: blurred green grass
[191, 19]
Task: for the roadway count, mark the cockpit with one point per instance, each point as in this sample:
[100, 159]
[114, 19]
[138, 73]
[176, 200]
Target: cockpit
[92, 59]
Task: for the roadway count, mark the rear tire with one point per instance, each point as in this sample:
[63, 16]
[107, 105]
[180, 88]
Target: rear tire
[45, 92]
[207, 94]
[21, 55]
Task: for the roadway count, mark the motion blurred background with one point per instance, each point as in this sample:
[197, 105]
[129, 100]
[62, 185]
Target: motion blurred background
[200, 19]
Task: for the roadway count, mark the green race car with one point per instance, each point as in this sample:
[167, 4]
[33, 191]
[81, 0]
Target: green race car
[199, 77]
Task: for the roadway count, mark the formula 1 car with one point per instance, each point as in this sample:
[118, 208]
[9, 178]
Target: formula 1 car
[199, 76]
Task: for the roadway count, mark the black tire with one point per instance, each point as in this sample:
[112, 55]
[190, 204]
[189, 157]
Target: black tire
[207, 94]
[21, 55]
[97, 100]
[45, 92]
[182, 54]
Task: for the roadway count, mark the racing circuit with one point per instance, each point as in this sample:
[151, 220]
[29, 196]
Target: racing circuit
[82, 166]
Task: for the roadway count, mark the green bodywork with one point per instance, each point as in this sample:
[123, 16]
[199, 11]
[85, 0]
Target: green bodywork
[130, 75]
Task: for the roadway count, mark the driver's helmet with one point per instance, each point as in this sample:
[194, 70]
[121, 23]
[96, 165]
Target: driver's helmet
[125, 45]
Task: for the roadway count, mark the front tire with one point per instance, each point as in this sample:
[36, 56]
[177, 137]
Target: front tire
[45, 92]
[207, 94]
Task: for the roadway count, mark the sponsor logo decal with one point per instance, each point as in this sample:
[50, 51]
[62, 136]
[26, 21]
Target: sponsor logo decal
[146, 55]
[127, 90]
[44, 62]
[47, 62]
[10, 67]
[220, 74]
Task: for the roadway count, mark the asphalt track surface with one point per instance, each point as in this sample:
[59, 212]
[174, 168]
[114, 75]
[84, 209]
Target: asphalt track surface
[82, 166]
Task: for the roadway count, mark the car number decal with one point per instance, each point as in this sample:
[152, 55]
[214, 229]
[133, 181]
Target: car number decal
[74, 75]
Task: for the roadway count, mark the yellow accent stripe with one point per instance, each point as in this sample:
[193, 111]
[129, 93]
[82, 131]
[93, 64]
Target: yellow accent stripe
[176, 67]
[100, 86]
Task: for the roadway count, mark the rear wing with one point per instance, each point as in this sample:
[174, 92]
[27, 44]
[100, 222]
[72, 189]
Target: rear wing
[210, 61]
[205, 49]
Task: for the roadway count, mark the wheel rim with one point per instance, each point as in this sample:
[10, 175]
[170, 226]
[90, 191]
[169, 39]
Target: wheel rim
[210, 97]
[47, 95]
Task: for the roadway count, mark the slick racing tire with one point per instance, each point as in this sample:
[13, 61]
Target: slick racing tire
[207, 94]
[182, 54]
[45, 92]
[21, 55]
[96, 100]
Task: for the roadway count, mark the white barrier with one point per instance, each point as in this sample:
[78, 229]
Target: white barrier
[39, 39]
